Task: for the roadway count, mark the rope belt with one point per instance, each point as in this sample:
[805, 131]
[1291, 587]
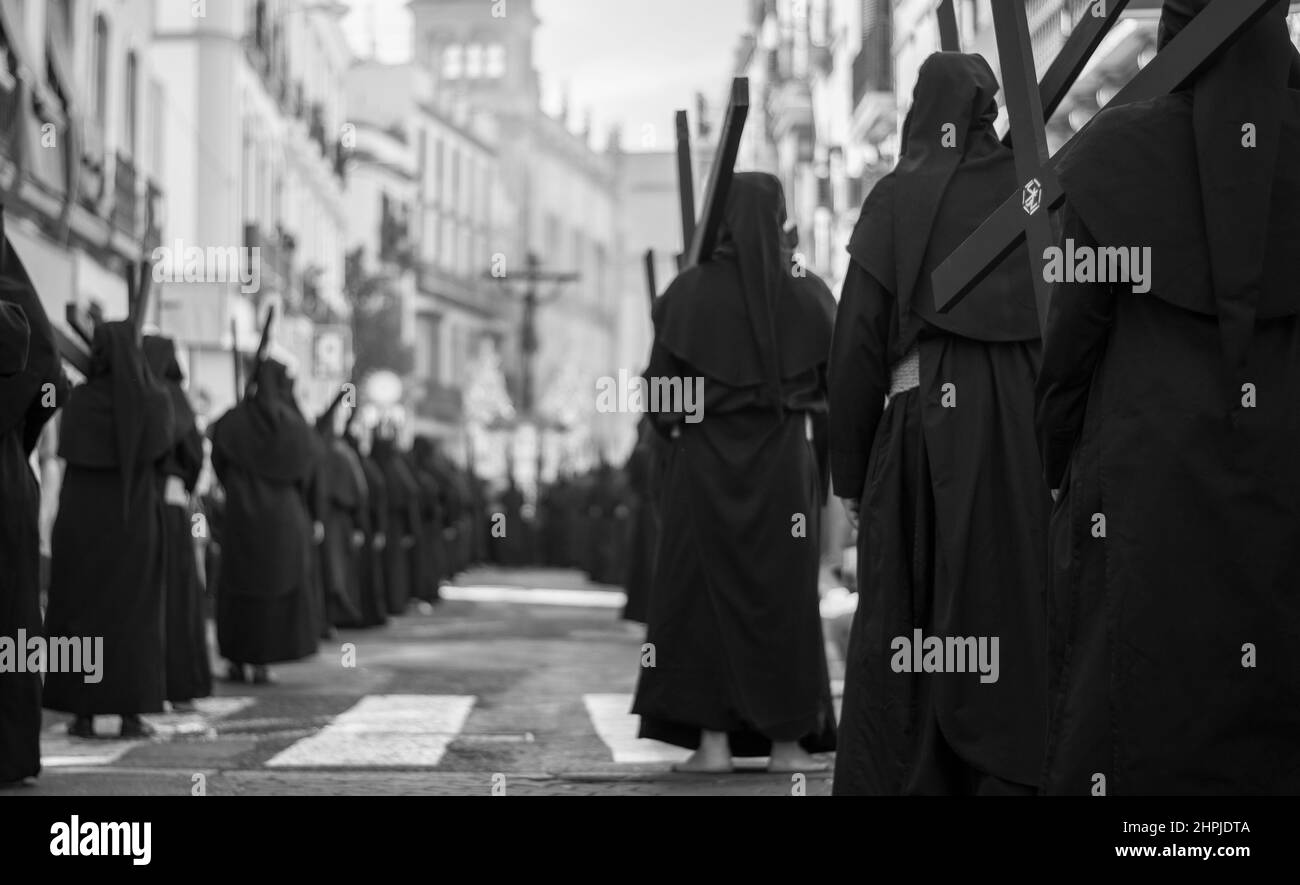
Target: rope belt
[906, 373]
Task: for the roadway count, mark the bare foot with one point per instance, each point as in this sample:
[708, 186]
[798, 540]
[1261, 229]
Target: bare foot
[790, 758]
[712, 757]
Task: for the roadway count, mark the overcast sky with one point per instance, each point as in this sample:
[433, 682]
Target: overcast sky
[632, 62]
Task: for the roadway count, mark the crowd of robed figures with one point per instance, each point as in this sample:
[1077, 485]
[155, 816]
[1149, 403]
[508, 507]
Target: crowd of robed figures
[1114, 502]
[307, 529]
[1117, 502]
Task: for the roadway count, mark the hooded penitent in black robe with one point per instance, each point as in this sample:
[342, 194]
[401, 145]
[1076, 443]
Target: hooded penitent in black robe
[106, 553]
[952, 539]
[28, 363]
[610, 516]
[734, 612]
[1174, 416]
[478, 521]
[514, 549]
[374, 523]
[189, 672]
[644, 469]
[430, 565]
[343, 502]
[456, 515]
[551, 523]
[263, 452]
[404, 543]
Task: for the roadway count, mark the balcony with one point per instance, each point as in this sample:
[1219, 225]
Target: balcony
[316, 129]
[395, 234]
[126, 199]
[275, 259]
[153, 207]
[10, 105]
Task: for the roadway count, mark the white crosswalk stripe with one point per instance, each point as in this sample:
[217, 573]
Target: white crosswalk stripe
[383, 731]
[576, 598]
[617, 728]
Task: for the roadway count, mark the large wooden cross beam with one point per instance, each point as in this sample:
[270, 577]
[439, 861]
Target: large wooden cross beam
[701, 238]
[949, 36]
[651, 284]
[263, 345]
[235, 358]
[1026, 213]
[1028, 132]
[685, 183]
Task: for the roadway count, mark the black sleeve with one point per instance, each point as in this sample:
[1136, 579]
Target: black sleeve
[1078, 326]
[858, 377]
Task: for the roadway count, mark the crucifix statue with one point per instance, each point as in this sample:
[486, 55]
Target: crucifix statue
[1026, 216]
[532, 276]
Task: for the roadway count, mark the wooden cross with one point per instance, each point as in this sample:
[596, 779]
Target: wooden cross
[701, 238]
[1026, 214]
[234, 355]
[652, 286]
[949, 36]
[685, 184]
[263, 345]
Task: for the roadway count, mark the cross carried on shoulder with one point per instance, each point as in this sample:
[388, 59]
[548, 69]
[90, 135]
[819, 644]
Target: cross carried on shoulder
[1025, 216]
[699, 239]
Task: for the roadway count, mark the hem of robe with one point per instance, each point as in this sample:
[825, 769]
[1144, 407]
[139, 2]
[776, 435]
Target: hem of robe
[815, 734]
[188, 668]
[295, 640]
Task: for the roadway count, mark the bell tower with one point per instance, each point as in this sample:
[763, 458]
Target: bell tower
[482, 49]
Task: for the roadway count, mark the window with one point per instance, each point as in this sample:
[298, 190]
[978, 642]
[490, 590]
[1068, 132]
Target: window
[101, 71]
[494, 61]
[422, 159]
[447, 260]
[157, 137]
[132, 122]
[453, 62]
[436, 184]
[453, 206]
[474, 61]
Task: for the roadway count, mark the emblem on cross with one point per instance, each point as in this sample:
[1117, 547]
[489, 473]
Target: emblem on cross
[1033, 197]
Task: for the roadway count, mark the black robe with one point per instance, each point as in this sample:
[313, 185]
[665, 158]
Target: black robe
[343, 505]
[431, 563]
[644, 471]
[733, 616]
[515, 548]
[405, 540]
[263, 453]
[1175, 625]
[953, 506]
[106, 556]
[611, 516]
[27, 363]
[189, 671]
[374, 523]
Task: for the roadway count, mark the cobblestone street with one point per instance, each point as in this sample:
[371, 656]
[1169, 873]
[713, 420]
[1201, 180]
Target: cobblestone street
[520, 682]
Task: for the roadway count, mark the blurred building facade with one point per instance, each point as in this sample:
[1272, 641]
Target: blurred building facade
[563, 202]
[424, 199]
[82, 117]
[255, 148]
